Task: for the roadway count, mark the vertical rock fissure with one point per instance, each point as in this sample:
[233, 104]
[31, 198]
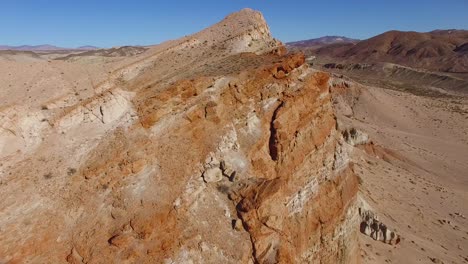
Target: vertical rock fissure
[272, 144]
[102, 113]
[252, 242]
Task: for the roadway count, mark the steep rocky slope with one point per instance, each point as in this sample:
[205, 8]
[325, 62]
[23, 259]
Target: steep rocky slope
[214, 148]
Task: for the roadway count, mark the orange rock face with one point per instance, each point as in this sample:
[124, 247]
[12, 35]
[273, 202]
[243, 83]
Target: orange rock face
[233, 160]
[295, 209]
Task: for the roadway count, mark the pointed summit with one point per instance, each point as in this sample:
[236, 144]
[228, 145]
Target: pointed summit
[243, 31]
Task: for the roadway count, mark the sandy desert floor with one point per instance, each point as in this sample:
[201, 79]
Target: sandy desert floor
[415, 175]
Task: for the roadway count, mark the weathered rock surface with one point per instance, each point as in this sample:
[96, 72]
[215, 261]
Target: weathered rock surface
[213, 175]
[234, 158]
[376, 229]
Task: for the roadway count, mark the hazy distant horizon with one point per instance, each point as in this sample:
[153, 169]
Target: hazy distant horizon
[97, 47]
[117, 23]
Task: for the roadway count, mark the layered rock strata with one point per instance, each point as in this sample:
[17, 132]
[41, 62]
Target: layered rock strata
[237, 159]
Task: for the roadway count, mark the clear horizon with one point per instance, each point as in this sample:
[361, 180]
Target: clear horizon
[117, 23]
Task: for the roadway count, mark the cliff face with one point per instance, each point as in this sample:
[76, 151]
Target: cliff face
[301, 210]
[188, 158]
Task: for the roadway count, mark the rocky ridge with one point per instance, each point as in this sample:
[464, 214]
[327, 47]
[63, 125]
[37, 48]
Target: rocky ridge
[213, 148]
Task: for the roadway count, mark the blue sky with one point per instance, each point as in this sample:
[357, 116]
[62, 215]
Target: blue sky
[105, 23]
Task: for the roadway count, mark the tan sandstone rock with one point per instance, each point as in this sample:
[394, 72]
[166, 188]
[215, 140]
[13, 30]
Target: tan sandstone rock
[226, 100]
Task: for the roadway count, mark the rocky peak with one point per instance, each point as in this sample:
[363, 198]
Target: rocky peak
[207, 149]
[243, 31]
[246, 16]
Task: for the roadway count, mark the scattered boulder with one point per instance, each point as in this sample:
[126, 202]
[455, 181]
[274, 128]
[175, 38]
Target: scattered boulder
[237, 225]
[373, 227]
[120, 240]
[436, 260]
[460, 215]
[334, 66]
[210, 110]
[227, 171]
[232, 177]
[355, 137]
[212, 175]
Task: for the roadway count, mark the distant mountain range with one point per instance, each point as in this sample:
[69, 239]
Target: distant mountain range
[438, 50]
[44, 47]
[326, 40]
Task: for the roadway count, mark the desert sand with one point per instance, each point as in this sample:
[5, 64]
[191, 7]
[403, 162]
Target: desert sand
[414, 172]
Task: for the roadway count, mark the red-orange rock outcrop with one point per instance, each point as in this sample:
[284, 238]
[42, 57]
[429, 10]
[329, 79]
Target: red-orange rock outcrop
[235, 158]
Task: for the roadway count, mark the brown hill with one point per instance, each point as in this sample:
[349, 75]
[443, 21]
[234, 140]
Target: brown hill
[462, 49]
[440, 50]
[322, 41]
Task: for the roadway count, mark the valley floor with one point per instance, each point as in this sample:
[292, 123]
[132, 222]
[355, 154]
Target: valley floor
[415, 174]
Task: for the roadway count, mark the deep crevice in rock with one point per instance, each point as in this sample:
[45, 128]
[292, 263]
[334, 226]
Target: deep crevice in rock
[272, 143]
